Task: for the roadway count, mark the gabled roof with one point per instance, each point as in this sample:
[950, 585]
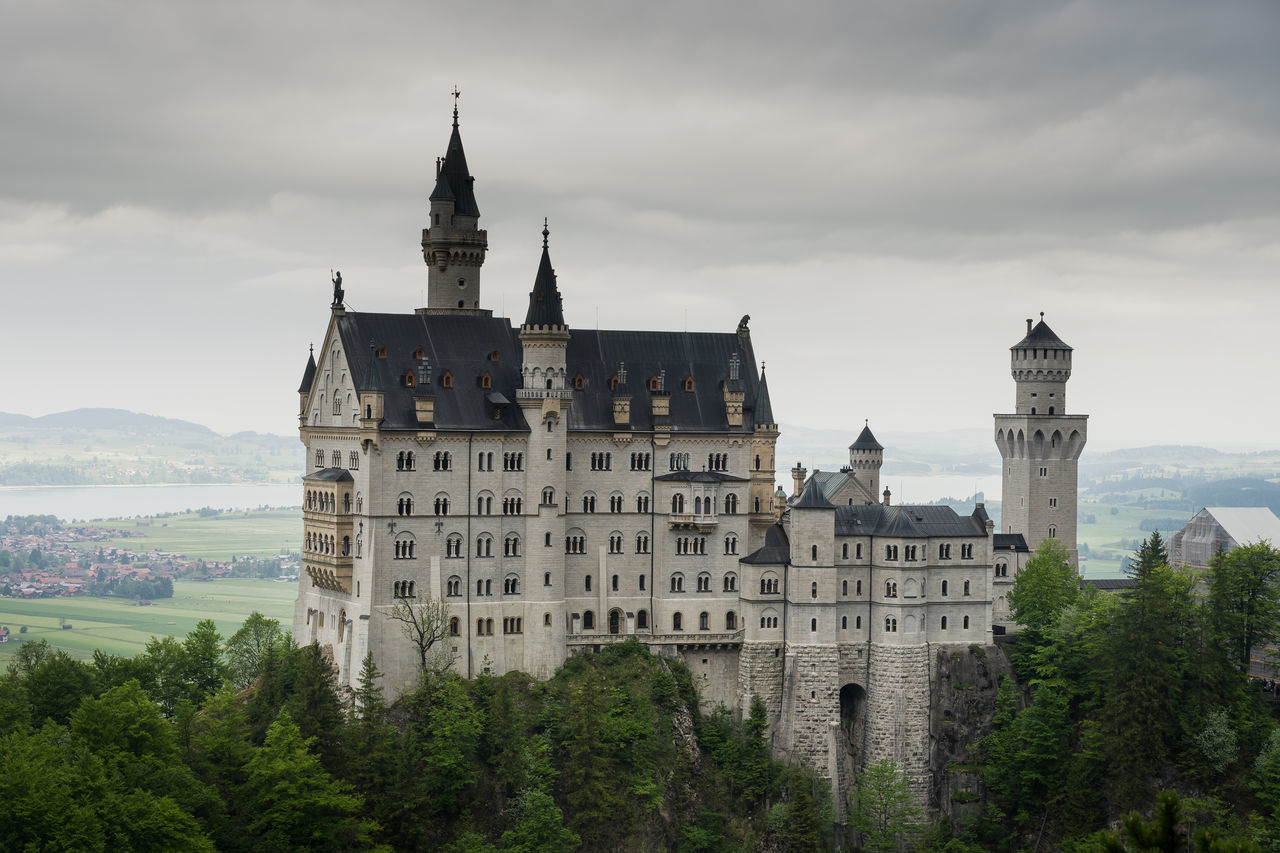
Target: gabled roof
[906, 521]
[1247, 524]
[544, 300]
[812, 498]
[1041, 337]
[776, 550]
[455, 181]
[373, 377]
[461, 345]
[699, 477]
[309, 374]
[866, 441]
[764, 410]
[330, 475]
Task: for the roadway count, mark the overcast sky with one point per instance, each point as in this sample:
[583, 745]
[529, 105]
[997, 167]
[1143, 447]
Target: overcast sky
[888, 189]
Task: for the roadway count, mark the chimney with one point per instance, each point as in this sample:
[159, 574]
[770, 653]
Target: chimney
[1028, 325]
[887, 495]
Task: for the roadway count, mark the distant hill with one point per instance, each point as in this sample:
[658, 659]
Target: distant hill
[114, 446]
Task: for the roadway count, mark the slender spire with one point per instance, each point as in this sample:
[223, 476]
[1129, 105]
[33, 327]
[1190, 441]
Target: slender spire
[453, 179]
[764, 410]
[456, 95]
[309, 373]
[544, 299]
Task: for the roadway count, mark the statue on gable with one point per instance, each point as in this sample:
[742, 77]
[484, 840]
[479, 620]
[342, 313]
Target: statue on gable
[337, 288]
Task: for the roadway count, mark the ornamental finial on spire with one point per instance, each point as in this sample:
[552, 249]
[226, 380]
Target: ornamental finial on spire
[546, 232]
[456, 95]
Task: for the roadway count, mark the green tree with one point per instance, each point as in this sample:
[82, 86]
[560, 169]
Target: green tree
[202, 650]
[539, 827]
[249, 647]
[885, 814]
[1046, 586]
[1244, 600]
[294, 804]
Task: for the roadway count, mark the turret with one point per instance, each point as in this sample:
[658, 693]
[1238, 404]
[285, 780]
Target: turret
[304, 389]
[453, 245]
[866, 456]
[1041, 366]
[543, 334]
[373, 386]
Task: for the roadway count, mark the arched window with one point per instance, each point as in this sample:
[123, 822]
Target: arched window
[813, 553]
[677, 582]
[813, 590]
[966, 587]
[704, 621]
[704, 582]
[589, 621]
[844, 587]
[731, 504]
[486, 381]
[677, 622]
[730, 582]
[587, 583]
[890, 624]
[730, 621]
[453, 626]
[944, 587]
[453, 546]
[579, 382]
[484, 545]
[943, 623]
[677, 504]
[511, 585]
[966, 623]
[688, 383]
[446, 380]
[548, 496]
[454, 586]
[642, 619]
[511, 546]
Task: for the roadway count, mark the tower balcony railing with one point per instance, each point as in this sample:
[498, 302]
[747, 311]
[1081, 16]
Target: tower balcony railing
[544, 394]
[689, 520]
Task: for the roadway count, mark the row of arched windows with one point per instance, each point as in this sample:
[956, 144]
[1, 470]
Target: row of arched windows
[689, 545]
[404, 461]
[404, 589]
[602, 461]
[914, 553]
[335, 457]
[317, 501]
[319, 543]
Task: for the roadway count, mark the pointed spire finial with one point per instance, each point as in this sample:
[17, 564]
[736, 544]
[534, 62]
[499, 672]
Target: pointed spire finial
[456, 95]
[1041, 316]
[546, 232]
[312, 348]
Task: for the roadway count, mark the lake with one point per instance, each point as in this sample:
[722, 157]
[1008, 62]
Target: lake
[84, 503]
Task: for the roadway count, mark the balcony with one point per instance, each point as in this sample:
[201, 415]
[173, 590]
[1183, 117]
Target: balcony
[688, 521]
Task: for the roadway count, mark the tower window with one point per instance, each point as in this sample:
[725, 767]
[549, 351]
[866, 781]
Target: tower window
[462, 282]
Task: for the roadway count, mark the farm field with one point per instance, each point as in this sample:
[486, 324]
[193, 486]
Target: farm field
[262, 533]
[1110, 537]
[121, 627]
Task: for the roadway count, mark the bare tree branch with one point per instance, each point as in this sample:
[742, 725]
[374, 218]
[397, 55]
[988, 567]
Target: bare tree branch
[425, 623]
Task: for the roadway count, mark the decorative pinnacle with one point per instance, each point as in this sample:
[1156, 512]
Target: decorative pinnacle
[312, 348]
[546, 232]
[1041, 316]
[456, 95]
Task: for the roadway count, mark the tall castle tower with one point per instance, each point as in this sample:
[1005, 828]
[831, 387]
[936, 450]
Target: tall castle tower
[453, 244]
[1040, 443]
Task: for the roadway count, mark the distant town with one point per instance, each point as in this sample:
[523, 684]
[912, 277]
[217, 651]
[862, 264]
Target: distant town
[41, 557]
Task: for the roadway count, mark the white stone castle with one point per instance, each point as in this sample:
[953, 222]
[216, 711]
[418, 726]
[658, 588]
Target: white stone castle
[561, 489]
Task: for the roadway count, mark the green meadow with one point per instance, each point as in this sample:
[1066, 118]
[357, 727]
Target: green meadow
[219, 536]
[122, 627]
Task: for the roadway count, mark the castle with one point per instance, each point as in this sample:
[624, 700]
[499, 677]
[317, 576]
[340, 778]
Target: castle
[561, 489]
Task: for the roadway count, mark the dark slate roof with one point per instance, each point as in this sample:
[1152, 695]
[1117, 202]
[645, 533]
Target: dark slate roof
[812, 497]
[461, 344]
[373, 376]
[699, 477]
[866, 441]
[705, 356]
[1009, 542]
[330, 475]
[1041, 337]
[1107, 584]
[455, 181]
[906, 521]
[544, 300]
[776, 550]
[308, 375]
[764, 411]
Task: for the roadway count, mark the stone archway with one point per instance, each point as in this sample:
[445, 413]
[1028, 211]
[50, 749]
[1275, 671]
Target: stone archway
[616, 622]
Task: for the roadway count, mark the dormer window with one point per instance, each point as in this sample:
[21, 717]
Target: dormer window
[653, 383]
[408, 379]
[493, 356]
[419, 354]
[688, 383]
[613, 382]
[446, 380]
[486, 381]
[579, 382]
[382, 352]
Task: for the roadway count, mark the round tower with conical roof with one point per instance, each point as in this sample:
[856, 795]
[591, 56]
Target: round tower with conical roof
[1040, 443]
[866, 455]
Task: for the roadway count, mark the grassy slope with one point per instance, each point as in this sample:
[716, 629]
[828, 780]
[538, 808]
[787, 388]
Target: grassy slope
[218, 537]
[123, 628]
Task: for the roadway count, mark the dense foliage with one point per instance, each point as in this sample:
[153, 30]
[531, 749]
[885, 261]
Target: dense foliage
[248, 745]
[1133, 702]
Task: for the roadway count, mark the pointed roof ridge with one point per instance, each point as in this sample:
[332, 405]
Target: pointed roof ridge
[866, 440]
[764, 409]
[454, 179]
[544, 300]
[812, 497]
[309, 373]
[1041, 337]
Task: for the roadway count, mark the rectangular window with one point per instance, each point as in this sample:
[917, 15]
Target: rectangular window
[1053, 502]
[1044, 472]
